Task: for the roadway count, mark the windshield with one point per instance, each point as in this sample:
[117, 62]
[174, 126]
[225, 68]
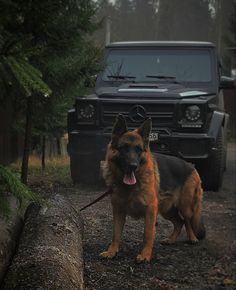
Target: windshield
[158, 65]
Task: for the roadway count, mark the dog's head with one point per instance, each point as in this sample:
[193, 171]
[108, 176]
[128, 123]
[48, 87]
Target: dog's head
[130, 147]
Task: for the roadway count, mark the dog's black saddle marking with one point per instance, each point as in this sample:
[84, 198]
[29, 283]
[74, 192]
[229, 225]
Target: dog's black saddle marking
[173, 171]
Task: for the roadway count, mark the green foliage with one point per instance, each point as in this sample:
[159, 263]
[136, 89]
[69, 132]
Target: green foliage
[10, 184]
[15, 50]
[52, 122]
[46, 44]
[28, 77]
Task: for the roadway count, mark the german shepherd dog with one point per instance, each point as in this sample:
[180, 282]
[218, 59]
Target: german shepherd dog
[143, 183]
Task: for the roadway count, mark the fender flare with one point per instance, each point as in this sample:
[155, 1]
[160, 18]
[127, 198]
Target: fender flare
[218, 120]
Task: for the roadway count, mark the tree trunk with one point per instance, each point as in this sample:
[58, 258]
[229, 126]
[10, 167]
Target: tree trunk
[50, 250]
[43, 151]
[27, 142]
[59, 146]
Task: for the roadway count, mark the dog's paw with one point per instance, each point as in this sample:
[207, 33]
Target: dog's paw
[193, 241]
[167, 241]
[141, 258]
[108, 254]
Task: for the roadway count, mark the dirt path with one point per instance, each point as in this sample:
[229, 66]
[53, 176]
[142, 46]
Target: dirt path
[209, 265]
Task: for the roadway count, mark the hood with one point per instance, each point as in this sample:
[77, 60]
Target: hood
[152, 90]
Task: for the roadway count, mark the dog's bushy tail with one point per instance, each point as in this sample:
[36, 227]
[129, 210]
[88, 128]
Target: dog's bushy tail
[197, 221]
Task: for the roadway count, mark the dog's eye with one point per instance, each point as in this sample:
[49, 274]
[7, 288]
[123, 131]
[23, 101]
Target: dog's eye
[122, 147]
[138, 149]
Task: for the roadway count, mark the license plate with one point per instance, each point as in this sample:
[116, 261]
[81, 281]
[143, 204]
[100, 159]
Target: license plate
[153, 137]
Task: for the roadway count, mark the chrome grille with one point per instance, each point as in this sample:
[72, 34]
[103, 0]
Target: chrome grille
[161, 114]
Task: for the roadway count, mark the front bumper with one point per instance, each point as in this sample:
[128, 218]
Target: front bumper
[186, 146]
[90, 146]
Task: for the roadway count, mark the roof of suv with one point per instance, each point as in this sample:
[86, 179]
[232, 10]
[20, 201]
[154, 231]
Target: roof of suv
[160, 43]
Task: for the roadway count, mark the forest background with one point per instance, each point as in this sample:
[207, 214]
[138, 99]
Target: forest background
[51, 50]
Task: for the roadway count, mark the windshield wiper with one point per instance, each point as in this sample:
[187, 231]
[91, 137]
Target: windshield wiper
[162, 77]
[120, 77]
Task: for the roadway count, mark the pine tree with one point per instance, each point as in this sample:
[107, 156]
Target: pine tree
[45, 44]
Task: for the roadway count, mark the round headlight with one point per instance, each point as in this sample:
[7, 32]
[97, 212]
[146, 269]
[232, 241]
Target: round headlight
[86, 111]
[192, 113]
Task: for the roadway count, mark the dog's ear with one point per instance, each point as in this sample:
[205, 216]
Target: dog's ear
[119, 129]
[144, 130]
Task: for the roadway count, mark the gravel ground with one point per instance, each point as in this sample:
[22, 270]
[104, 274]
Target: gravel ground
[209, 265]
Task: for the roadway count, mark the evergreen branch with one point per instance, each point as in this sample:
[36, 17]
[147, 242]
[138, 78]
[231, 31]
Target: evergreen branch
[10, 184]
[28, 77]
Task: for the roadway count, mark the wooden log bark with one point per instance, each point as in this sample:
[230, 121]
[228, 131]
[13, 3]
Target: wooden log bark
[50, 250]
[10, 230]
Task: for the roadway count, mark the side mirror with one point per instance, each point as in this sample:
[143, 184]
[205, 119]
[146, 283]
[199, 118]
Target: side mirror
[227, 83]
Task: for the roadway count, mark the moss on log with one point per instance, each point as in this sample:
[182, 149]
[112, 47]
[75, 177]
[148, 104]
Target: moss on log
[50, 250]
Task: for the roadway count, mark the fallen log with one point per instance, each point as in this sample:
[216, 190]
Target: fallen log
[10, 230]
[50, 250]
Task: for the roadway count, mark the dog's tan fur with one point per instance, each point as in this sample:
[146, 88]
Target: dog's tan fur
[188, 202]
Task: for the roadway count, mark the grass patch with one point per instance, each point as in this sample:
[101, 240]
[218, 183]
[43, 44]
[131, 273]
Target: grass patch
[56, 173]
[41, 183]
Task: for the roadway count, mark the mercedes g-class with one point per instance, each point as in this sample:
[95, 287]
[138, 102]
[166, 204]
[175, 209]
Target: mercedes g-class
[178, 84]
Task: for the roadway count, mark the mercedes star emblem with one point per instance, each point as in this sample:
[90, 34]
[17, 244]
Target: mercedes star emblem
[137, 114]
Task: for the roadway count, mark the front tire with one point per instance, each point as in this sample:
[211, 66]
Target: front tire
[212, 169]
[84, 172]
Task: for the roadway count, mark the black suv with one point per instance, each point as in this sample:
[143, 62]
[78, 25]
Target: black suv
[177, 84]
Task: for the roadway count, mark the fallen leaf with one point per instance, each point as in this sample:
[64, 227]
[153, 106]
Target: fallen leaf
[228, 281]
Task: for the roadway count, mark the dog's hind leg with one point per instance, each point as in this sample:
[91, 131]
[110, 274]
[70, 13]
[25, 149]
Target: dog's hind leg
[190, 207]
[187, 213]
[178, 222]
[191, 236]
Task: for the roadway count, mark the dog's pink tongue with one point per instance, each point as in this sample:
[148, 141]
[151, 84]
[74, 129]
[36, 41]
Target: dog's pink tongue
[129, 179]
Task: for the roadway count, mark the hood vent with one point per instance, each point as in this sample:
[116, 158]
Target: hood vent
[137, 88]
[142, 89]
[144, 86]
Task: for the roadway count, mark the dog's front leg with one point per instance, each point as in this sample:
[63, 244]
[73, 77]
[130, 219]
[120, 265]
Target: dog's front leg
[118, 224]
[149, 234]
